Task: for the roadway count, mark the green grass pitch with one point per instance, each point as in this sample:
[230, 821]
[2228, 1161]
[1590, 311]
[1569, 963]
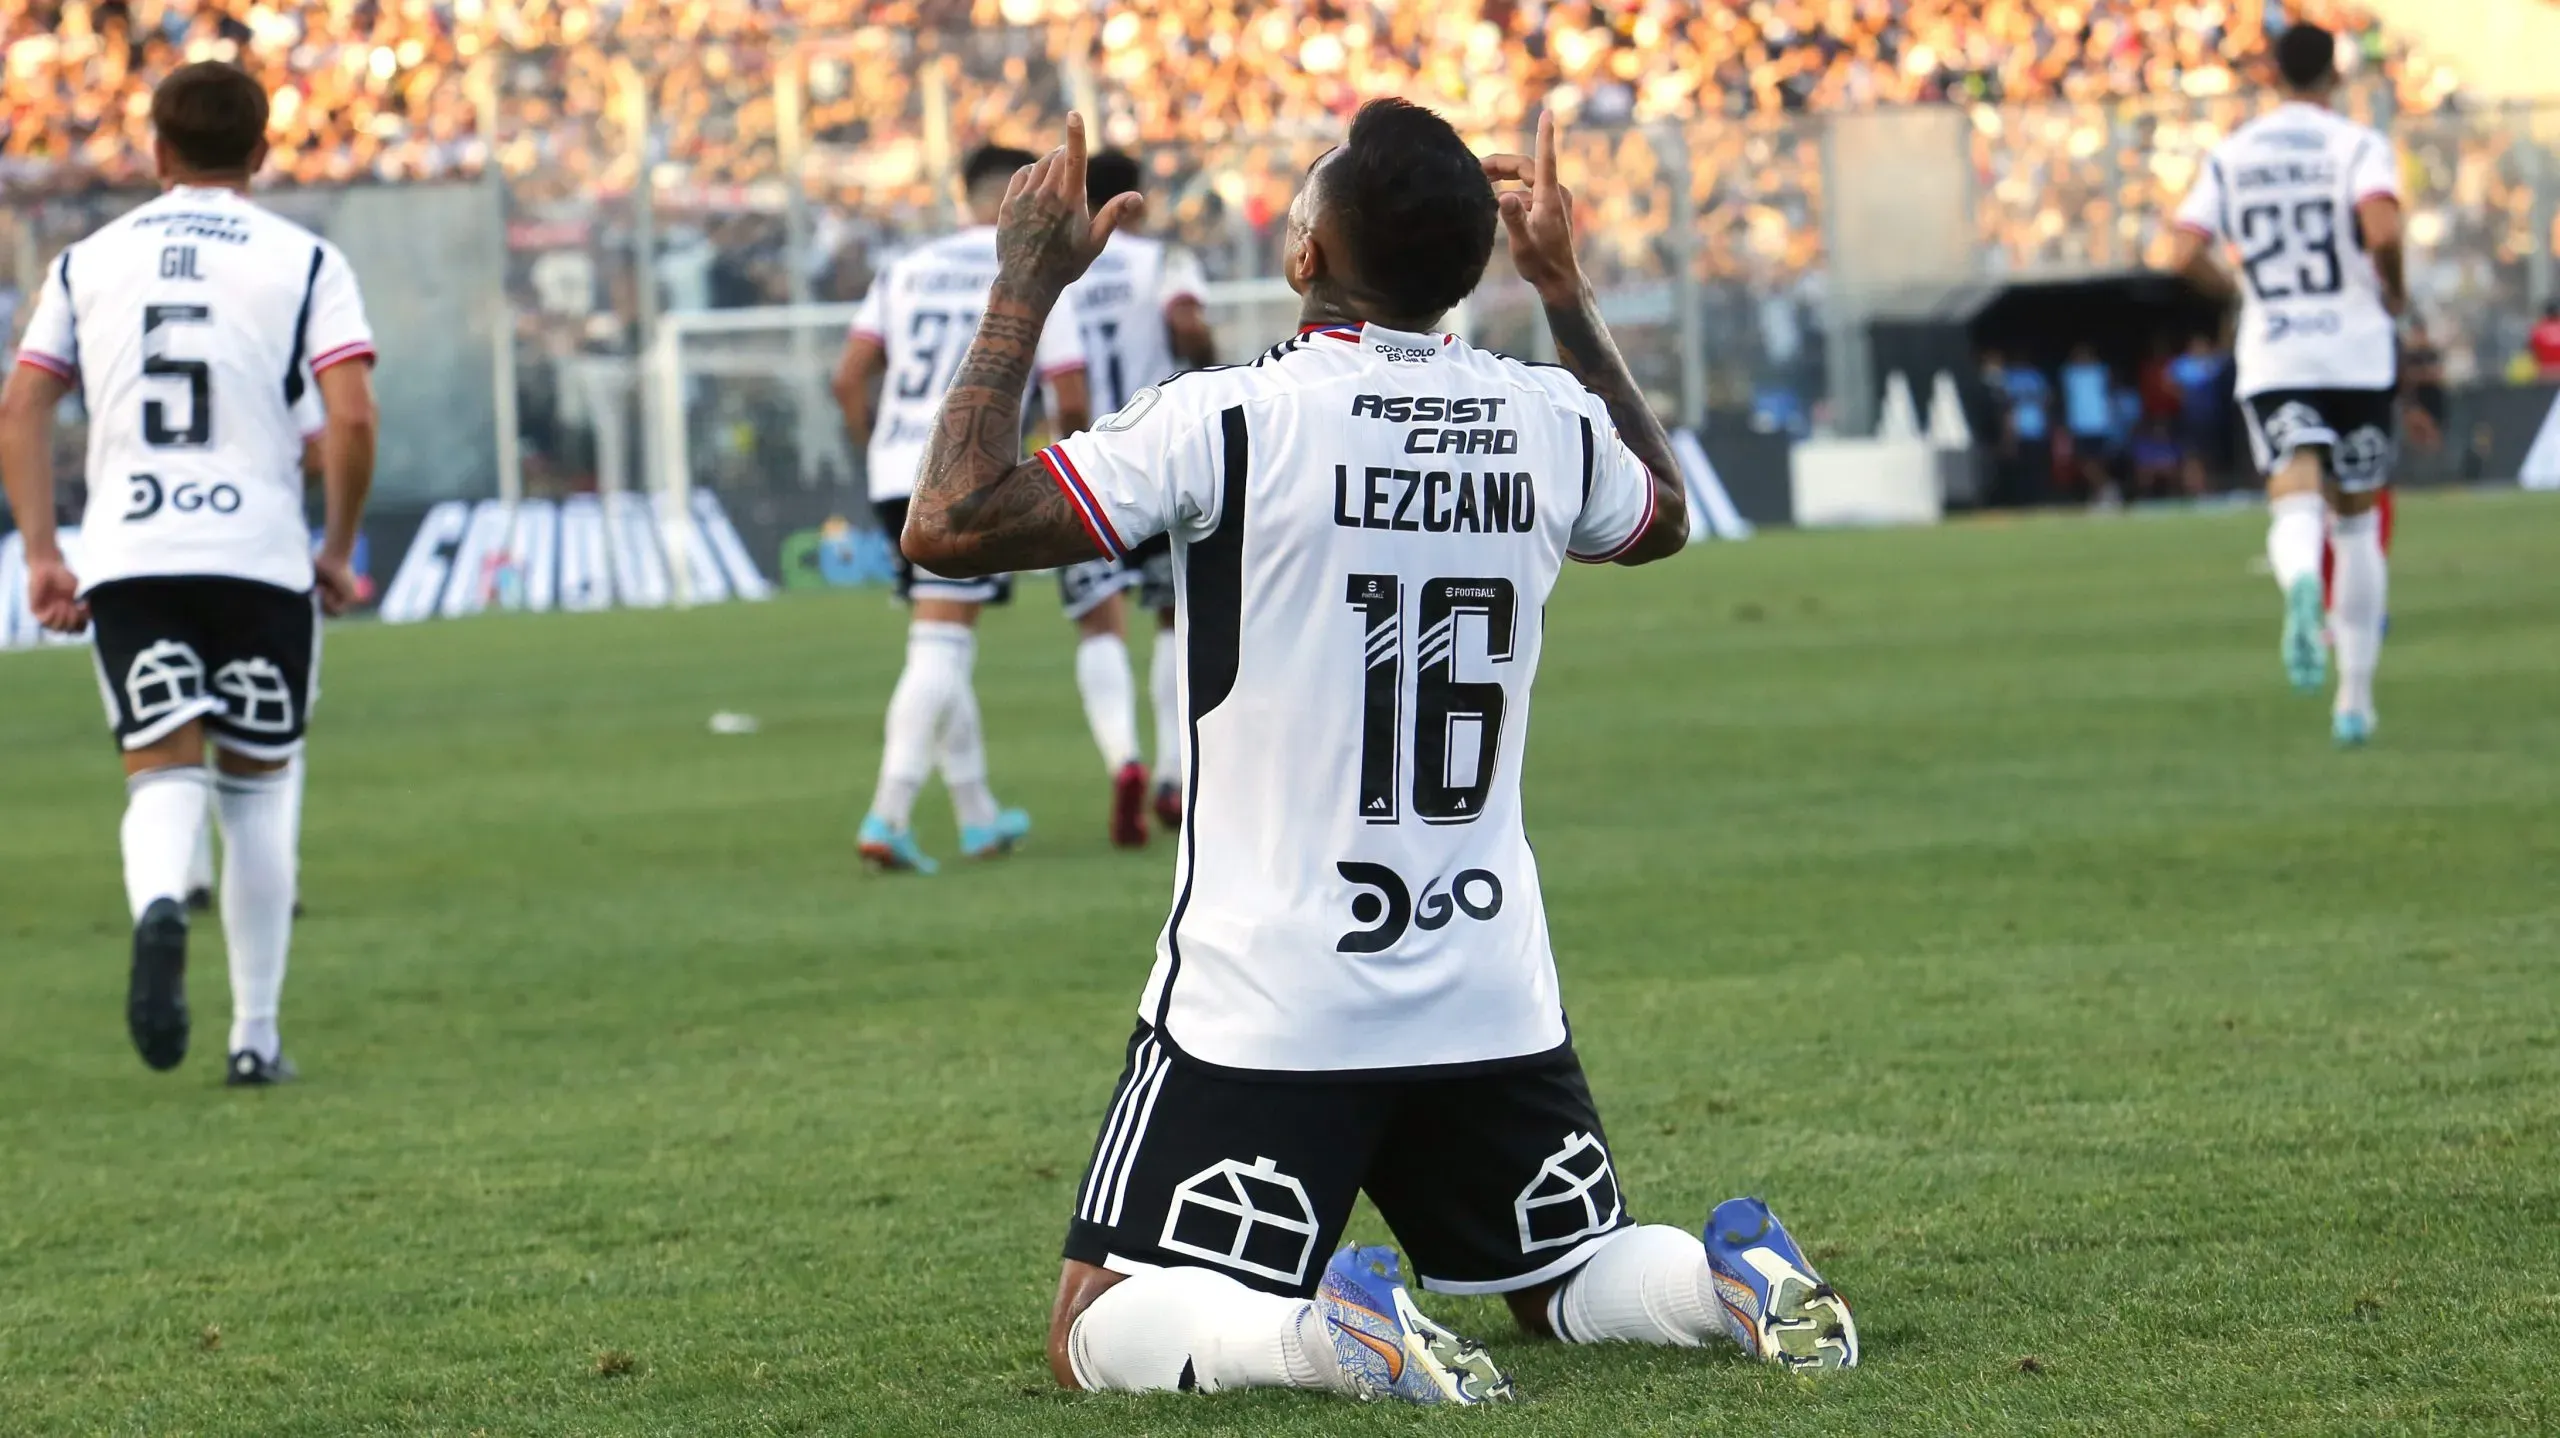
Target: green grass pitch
[1980, 896]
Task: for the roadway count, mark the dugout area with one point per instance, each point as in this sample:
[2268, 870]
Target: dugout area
[2123, 315]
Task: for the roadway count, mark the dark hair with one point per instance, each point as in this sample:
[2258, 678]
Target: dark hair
[212, 114]
[1108, 175]
[2307, 56]
[1414, 207]
[993, 162]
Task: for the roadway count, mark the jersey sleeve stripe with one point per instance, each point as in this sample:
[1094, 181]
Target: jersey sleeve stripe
[352, 350]
[50, 364]
[1097, 525]
[872, 335]
[2384, 193]
[2191, 227]
[1062, 367]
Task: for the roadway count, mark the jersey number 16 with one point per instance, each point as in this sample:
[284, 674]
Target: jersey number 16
[1457, 725]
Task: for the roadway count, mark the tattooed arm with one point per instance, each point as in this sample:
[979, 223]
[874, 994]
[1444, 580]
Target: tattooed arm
[1583, 346]
[1540, 219]
[978, 508]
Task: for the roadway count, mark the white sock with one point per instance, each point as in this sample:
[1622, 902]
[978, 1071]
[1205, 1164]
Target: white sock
[258, 833]
[1644, 1285]
[938, 660]
[2360, 594]
[164, 813]
[200, 868]
[963, 760]
[1164, 684]
[2294, 536]
[1146, 1332]
[1110, 698]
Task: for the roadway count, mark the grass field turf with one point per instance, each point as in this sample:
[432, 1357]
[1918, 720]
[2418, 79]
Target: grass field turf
[2133, 1060]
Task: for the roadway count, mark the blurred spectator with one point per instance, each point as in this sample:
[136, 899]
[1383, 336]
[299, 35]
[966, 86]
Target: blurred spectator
[2544, 342]
[2089, 415]
[2421, 389]
[2203, 379]
[2025, 453]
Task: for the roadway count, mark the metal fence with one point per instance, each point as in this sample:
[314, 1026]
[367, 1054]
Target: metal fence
[640, 179]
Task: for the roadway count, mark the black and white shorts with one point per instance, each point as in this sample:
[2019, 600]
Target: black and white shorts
[915, 584]
[1148, 569]
[1492, 1180]
[242, 656]
[2354, 425]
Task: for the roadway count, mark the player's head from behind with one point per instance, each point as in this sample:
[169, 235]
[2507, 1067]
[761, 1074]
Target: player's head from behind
[985, 173]
[1394, 224]
[1109, 174]
[209, 122]
[2307, 61]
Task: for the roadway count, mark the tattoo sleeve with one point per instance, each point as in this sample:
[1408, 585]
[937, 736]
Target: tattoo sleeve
[1584, 347]
[978, 508]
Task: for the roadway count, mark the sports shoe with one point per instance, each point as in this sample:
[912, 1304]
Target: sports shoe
[1129, 806]
[2306, 654]
[892, 850]
[155, 1002]
[2351, 729]
[994, 840]
[250, 1071]
[1775, 1306]
[1169, 805]
[1387, 1349]
[200, 900]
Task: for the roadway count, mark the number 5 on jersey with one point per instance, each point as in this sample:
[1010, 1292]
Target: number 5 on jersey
[1457, 725]
[156, 428]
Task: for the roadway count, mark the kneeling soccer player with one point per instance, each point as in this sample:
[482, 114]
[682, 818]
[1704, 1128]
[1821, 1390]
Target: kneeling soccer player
[1355, 990]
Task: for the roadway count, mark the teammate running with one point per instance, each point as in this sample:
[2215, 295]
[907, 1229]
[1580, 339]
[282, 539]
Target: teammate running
[1140, 314]
[2311, 200]
[1355, 989]
[189, 326]
[908, 336]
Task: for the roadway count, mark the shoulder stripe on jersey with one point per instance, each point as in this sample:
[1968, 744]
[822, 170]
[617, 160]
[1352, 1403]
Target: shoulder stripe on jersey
[1213, 620]
[1097, 522]
[1586, 459]
[70, 307]
[301, 323]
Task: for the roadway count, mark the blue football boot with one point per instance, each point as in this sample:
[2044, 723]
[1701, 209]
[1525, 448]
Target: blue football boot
[892, 850]
[988, 841]
[1387, 1349]
[2306, 653]
[2351, 729]
[1775, 1306]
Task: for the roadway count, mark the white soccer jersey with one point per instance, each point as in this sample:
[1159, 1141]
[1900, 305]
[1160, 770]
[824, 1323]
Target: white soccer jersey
[192, 326]
[1366, 525]
[2283, 189]
[1119, 308]
[922, 311]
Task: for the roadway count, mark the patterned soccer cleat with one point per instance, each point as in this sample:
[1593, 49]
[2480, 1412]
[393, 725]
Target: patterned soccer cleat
[892, 851]
[155, 1004]
[1129, 807]
[250, 1071]
[2306, 654]
[994, 840]
[1387, 1349]
[1774, 1304]
[2351, 730]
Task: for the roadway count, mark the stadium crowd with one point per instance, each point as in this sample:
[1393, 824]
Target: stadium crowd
[2088, 118]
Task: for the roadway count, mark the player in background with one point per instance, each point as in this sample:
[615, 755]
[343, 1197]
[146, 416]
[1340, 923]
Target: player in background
[189, 326]
[1355, 990]
[908, 336]
[1139, 312]
[2311, 201]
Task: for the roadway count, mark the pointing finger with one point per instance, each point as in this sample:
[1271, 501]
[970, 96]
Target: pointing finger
[1546, 176]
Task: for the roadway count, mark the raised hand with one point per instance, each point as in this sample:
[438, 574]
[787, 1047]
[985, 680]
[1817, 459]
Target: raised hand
[1539, 218]
[1045, 237]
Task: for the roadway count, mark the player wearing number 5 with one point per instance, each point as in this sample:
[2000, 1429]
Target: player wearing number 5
[2310, 202]
[1354, 991]
[192, 328]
